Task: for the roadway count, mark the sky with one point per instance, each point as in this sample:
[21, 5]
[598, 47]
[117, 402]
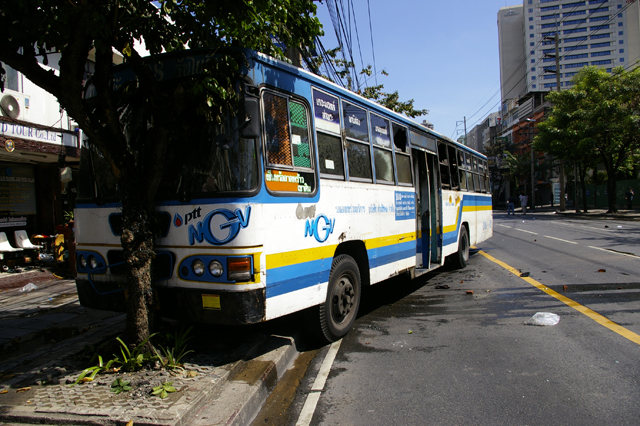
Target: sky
[442, 54]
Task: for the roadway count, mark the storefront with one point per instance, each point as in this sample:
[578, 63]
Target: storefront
[37, 178]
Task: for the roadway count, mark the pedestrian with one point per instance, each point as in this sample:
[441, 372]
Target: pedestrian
[629, 196]
[511, 205]
[523, 202]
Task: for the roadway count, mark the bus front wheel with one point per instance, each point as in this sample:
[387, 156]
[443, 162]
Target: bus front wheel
[338, 312]
[461, 257]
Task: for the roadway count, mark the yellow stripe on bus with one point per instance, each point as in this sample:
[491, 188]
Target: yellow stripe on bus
[468, 209]
[295, 257]
[289, 258]
[389, 240]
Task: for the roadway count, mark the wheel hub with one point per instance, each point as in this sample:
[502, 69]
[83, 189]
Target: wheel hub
[343, 299]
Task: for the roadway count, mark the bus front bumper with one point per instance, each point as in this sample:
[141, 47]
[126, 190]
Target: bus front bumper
[201, 306]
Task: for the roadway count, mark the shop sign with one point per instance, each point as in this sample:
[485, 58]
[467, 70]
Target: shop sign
[31, 133]
[6, 222]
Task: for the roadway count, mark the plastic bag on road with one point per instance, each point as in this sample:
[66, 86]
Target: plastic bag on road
[27, 288]
[543, 318]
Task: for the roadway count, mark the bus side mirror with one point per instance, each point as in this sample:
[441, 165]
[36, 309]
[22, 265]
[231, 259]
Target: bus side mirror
[251, 128]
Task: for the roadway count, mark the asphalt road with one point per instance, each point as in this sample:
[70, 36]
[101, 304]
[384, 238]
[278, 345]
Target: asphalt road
[423, 354]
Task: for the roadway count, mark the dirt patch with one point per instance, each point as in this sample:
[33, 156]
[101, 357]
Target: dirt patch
[10, 280]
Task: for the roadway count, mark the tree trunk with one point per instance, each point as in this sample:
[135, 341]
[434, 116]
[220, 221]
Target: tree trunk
[138, 244]
[611, 193]
[582, 171]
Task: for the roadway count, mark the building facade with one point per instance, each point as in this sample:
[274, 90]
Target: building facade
[39, 157]
[603, 33]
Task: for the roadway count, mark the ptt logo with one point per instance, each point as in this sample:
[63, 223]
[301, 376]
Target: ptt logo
[218, 227]
[320, 228]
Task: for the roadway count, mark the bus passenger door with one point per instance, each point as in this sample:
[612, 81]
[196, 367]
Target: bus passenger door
[435, 192]
[424, 203]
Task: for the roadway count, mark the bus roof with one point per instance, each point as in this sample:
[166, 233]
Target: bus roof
[324, 83]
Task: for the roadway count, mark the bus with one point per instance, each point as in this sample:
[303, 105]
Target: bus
[318, 193]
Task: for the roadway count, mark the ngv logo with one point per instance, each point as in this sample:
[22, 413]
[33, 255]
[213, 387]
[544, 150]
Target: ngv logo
[220, 226]
[320, 228]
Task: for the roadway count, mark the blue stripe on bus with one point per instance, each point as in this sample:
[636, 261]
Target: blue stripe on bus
[384, 255]
[296, 277]
[287, 279]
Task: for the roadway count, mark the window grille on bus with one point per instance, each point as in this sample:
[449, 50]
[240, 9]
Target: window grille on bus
[301, 154]
[277, 129]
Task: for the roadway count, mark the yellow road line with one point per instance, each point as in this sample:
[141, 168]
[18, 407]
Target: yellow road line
[602, 320]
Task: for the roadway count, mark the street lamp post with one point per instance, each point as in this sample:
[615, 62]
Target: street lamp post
[533, 186]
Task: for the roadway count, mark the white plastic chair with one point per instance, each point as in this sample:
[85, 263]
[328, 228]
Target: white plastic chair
[23, 241]
[5, 245]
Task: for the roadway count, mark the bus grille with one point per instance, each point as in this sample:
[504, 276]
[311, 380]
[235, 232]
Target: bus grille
[161, 265]
[163, 222]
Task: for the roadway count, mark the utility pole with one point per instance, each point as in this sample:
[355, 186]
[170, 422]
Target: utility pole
[556, 40]
[530, 133]
[466, 142]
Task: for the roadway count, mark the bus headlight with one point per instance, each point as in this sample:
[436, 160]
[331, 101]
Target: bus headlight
[198, 267]
[239, 268]
[215, 268]
[93, 263]
[82, 261]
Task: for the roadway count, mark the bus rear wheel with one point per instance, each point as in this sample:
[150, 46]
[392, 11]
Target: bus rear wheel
[461, 257]
[338, 313]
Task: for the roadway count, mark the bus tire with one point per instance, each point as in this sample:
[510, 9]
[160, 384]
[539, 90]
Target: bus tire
[461, 257]
[338, 313]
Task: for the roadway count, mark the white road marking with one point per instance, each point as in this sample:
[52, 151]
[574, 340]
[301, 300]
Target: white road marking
[528, 232]
[318, 386]
[613, 251]
[560, 239]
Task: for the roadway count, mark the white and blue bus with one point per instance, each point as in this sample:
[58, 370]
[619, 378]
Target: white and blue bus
[321, 193]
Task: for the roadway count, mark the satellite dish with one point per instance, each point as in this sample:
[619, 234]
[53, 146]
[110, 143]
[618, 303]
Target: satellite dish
[10, 107]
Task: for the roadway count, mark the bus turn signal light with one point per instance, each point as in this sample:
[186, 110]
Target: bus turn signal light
[239, 268]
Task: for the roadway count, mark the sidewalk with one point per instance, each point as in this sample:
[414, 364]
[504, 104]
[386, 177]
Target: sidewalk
[623, 214]
[43, 331]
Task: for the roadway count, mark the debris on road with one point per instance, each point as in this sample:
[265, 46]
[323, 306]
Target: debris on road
[543, 318]
[27, 288]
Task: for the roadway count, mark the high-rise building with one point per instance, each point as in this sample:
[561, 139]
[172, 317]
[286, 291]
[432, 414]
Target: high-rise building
[512, 57]
[604, 33]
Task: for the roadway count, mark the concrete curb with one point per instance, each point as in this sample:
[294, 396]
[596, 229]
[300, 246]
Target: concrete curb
[240, 399]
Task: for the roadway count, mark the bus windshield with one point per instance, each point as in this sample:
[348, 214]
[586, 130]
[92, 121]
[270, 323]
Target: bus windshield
[213, 160]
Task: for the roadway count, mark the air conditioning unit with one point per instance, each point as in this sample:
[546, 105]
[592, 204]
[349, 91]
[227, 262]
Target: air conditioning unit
[14, 105]
[10, 107]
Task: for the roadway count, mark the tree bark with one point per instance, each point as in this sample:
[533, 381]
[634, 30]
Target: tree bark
[137, 243]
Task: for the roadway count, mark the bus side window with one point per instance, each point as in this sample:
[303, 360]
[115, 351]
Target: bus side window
[481, 175]
[356, 131]
[300, 135]
[463, 172]
[288, 151]
[330, 153]
[487, 181]
[326, 112]
[276, 121]
[382, 154]
[453, 159]
[403, 160]
[444, 165]
[476, 180]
